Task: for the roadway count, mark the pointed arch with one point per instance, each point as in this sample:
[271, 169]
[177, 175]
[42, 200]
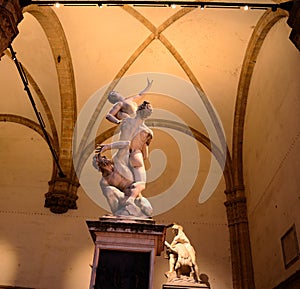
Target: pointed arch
[259, 34]
[59, 47]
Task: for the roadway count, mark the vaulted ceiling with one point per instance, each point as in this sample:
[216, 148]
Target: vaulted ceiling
[70, 52]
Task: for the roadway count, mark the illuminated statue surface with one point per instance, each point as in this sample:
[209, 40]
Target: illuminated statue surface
[182, 258]
[124, 177]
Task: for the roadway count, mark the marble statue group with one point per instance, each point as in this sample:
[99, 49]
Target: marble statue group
[124, 176]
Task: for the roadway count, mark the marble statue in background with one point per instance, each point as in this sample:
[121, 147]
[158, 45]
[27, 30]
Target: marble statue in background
[126, 179]
[182, 257]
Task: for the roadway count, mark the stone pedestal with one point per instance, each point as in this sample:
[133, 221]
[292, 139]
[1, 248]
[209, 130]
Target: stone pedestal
[124, 252]
[185, 282]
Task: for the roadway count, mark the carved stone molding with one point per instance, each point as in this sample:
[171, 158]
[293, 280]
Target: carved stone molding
[236, 211]
[10, 17]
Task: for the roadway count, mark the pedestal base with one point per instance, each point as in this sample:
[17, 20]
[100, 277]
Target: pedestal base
[184, 286]
[185, 282]
[124, 252]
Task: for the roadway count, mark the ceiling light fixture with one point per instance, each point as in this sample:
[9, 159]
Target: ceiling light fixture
[174, 3]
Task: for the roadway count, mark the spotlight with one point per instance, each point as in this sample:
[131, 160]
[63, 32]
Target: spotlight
[57, 5]
[173, 6]
[246, 7]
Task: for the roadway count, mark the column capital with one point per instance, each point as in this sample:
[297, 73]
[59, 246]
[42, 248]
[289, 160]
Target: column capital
[62, 195]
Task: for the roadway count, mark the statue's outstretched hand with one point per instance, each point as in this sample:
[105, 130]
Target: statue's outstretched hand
[100, 148]
[149, 82]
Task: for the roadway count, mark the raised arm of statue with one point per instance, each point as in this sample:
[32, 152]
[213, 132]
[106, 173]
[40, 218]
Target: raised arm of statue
[101, 148]
[124, 107]
[147, 88]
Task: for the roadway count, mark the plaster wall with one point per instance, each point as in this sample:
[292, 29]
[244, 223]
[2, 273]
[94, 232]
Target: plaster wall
[272, 155]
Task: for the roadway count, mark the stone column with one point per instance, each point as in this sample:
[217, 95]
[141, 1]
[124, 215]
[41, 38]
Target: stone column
[242, 268]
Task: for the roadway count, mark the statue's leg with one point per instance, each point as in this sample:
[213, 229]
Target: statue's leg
[195, 267]
[145, 205]
[172, 262]
[137, 188]
[113, 196]
[196, 272]
[138, 167]
[178, 272]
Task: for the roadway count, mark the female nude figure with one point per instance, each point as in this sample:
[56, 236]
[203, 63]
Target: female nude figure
[124, 107]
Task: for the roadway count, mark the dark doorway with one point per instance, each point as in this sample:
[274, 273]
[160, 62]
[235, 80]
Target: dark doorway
[123, 270]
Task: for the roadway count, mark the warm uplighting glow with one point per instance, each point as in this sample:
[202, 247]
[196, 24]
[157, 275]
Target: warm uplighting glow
[9, 262]
[79, 264]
